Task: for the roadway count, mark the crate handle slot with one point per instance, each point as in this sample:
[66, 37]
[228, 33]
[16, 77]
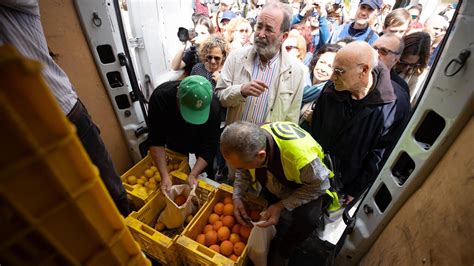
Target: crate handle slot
[145, 228]
[206, 251]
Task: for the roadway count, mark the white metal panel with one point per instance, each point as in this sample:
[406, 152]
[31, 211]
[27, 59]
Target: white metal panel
[156, 22]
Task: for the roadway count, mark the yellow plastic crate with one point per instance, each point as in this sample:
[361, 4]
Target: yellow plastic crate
[194, 253]
[135, 196]
[55, 208]
[161, 245]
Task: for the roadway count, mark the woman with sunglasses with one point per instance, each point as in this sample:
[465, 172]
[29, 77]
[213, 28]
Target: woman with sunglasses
[212, 53]
[238, 32]
[413, 63]
[295, 45]
[320, 70]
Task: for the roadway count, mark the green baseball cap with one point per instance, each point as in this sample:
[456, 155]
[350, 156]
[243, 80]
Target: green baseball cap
[195, 97]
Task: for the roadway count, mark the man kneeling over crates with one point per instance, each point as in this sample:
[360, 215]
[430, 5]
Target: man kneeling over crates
[284, 163]
[185, 117]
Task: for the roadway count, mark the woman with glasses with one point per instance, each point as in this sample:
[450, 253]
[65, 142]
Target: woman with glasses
[187, 57]
[320, 70]
[238, 32]
[295, 45]
[413, 63]
[212, 53]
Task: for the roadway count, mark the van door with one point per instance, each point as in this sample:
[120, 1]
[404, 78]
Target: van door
[133, 43]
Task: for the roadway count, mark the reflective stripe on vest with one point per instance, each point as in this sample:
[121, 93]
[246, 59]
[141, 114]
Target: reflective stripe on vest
[297, 148]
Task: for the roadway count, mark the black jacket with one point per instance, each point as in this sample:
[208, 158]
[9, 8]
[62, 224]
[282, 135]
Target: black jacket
[358, 134]
[168, 128]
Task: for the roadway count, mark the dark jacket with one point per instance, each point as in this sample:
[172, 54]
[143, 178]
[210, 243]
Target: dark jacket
[168, 128]
[358, 134]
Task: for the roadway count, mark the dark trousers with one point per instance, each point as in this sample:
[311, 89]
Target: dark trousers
[305, 219]
[89, 135]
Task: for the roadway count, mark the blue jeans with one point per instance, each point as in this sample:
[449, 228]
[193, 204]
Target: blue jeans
[89, 135]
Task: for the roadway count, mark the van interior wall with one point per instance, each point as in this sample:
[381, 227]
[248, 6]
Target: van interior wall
[435, 226]
[67, 42]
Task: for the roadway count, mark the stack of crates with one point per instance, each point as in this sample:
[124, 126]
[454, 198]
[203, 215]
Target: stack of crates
[162, 245]
[137, 194]
[55, 210]
[194, 253]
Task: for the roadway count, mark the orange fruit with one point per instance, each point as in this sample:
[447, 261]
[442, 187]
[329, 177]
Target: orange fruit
[216, 248]
[228, 199]
[228, 221]
[201, 239]
[213, 218]
[223, 233]
[239, 248]
[219, 208]
[236, 229]
[255, 215]
[217, 225]
[211, 238]
[208, 228]
[229, 209]
[234, 238]
[180, 200]
[227, 248]
[245, 231]
[233, 257]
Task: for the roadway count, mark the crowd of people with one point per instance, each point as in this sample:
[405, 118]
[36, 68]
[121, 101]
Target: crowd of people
[301, 84]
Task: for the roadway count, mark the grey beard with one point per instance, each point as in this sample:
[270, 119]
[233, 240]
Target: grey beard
[267, 52]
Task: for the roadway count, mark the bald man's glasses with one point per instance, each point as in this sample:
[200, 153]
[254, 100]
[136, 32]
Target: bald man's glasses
[384, 51]
[341, 71]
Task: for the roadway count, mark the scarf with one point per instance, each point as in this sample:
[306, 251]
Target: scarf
[311, 93]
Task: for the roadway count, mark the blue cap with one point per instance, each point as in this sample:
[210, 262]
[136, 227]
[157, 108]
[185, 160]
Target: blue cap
[374, 4]
[228, 15]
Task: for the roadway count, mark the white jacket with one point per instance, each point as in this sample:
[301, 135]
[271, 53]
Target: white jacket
[285, 97]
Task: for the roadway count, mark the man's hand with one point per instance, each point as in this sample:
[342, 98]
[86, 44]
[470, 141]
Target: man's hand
[253, 88]
[166, 185]
[216, 75]
[272, 214]
[192, 181]
[307, 115]
[240, 213]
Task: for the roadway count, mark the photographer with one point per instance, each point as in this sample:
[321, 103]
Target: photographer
[186, 58]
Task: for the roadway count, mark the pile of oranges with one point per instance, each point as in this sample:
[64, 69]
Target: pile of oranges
[223, 233]
[149, 180]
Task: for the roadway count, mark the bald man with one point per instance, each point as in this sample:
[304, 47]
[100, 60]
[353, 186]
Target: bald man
[356, 119]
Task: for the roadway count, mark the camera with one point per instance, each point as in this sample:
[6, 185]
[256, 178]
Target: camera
[185, 35]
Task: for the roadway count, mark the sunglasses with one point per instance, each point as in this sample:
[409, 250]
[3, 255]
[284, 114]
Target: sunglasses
[290, 47]
[216, 58]
[385, 51]
[259, 6]
[243, 30]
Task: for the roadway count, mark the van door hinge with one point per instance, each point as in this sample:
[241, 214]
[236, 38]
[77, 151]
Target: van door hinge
[136, 42]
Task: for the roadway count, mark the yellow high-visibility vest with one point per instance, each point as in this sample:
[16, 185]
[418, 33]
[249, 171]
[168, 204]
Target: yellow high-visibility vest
[297, 149]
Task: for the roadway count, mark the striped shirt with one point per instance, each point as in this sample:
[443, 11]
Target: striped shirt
[21, 27]
[256, 108]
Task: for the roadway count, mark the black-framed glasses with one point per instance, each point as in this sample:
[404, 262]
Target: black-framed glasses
[216, 58]
[384, 51]
[259, 6]
[290, 47]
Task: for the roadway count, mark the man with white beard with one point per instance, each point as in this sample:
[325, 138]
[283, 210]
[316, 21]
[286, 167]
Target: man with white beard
[263, 83]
